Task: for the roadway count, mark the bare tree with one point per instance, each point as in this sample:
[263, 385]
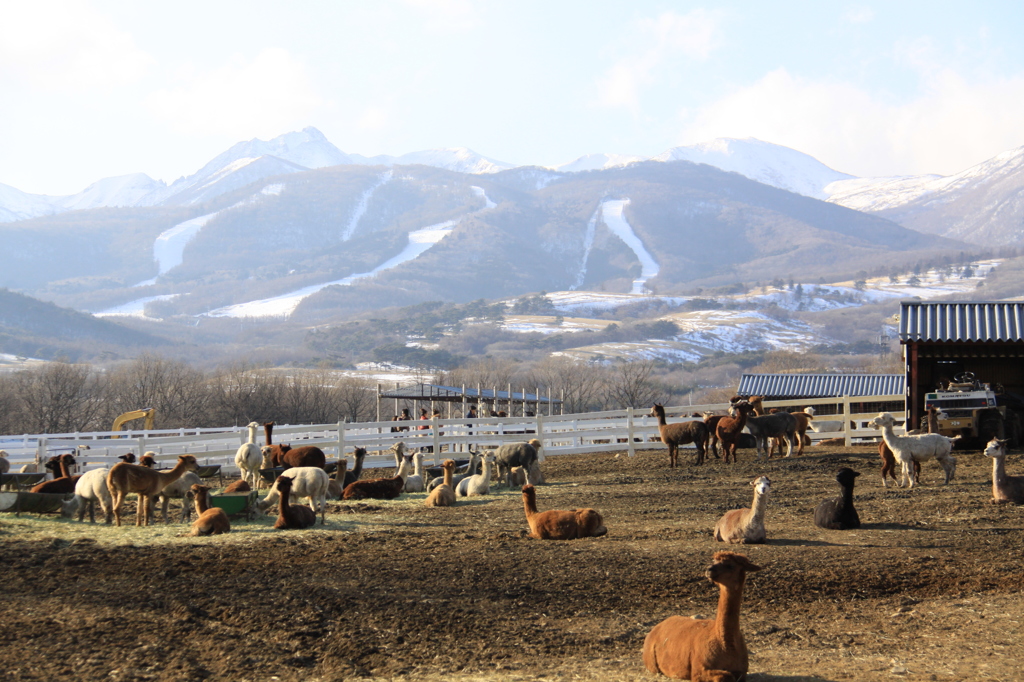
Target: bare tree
[630, 384]
[580, 384]
[356, 399]
[58, 398]
[179, 393]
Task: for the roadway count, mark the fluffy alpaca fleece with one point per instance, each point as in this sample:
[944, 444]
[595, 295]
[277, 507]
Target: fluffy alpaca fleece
[557, 524]
[443, 495]
[746, 526]
[705, 650]
[838, 513]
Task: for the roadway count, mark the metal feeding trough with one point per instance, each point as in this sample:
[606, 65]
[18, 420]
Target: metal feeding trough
[237, 504]
[21, 481]
[206, 471]
[270, 475]
[33, 503]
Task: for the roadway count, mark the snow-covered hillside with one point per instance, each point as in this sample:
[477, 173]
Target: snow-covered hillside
[764, 162]
[879, 194]
[458, 159]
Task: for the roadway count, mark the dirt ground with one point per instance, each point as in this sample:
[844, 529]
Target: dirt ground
[928, 589]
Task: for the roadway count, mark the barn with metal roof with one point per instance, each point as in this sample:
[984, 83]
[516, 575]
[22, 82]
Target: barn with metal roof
[946, 339]
[811, 386]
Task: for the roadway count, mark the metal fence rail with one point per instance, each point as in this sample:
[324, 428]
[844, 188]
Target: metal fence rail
[616, 430]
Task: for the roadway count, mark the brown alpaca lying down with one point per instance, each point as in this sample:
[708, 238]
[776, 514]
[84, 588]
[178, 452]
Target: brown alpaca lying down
[705, 650]
[558, 524]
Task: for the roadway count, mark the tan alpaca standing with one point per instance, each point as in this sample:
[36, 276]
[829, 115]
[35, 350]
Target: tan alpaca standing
[130, 478]
[705, 650]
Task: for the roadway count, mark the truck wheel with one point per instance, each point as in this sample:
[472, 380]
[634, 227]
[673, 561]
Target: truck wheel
[991, 427]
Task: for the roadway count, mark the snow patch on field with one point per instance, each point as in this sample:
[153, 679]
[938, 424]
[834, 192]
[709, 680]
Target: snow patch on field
[136, 308]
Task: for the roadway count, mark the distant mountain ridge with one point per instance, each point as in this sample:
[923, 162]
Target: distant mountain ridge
[983, 205]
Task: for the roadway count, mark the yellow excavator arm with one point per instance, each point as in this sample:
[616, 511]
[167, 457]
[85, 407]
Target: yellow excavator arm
[149, 413]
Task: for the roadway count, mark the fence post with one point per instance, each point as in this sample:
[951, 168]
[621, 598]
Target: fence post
[540, 429]
[846, 421]
[629, 431]
[40, 454]
[341, 439]
[436, 437]
[141, 445]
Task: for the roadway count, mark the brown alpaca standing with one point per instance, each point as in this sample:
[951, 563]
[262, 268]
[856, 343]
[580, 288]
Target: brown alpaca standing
[730, 429]
[130, 478]
[705, 650]
[291, 516]
[557, 524]
[443, 495]
[212, 520]
[674, 435]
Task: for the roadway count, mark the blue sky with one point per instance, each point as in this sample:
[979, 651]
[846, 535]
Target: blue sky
[96, 89]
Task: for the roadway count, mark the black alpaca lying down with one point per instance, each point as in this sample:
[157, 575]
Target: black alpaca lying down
[837, 513]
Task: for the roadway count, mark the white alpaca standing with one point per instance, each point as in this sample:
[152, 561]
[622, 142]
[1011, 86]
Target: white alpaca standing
[249, 458]
[916, 448]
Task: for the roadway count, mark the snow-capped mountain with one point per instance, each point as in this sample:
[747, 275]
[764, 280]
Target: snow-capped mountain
[458, 159]
[122, 190]
[765, 162]
[981, 205]
[597, 162]
[880, 194]
[240, 165]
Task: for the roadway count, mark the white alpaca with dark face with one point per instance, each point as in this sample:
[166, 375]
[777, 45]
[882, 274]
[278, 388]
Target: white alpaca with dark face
[1005, 488]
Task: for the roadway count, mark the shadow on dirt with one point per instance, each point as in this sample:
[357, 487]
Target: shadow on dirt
[801, 542]
[763, 677]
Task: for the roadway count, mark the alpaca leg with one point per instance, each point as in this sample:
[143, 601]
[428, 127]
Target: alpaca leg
[789, 444]
[116, 501]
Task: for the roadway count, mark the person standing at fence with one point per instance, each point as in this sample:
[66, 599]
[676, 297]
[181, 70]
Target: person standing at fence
[471, 414]
[424, 417]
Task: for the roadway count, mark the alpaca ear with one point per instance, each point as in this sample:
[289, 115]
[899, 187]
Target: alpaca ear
[747, 565]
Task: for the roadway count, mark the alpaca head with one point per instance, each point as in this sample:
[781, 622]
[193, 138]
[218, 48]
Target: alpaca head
[996, 448]
[742, 407]
[198, 491]
[729, 569]
[359, 453]
[809, 411]
[252, 427]
[658, 410]
[761, 485]
[189, 461]
[283, 483]
[268, 456]
[128, 458]
[398, 448]
[882, 420]
[846, 476]
[448, 464]
[147, 461]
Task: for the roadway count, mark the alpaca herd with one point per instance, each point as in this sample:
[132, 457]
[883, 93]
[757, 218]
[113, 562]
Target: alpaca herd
[678, 647]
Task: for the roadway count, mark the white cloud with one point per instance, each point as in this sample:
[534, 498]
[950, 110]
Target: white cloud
[67, 46]
[951, 125]
[858, 14]
[265, 96]
[694, 35]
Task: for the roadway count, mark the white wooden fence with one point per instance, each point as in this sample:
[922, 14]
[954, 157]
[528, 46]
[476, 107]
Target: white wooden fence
[616, 430]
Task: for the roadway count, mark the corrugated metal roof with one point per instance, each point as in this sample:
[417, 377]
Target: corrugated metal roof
[451, 393]
[821, 385]
[962, 321]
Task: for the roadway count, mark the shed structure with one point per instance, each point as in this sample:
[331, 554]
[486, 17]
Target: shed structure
[811, 386]
[944, 339]
[495, 400]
